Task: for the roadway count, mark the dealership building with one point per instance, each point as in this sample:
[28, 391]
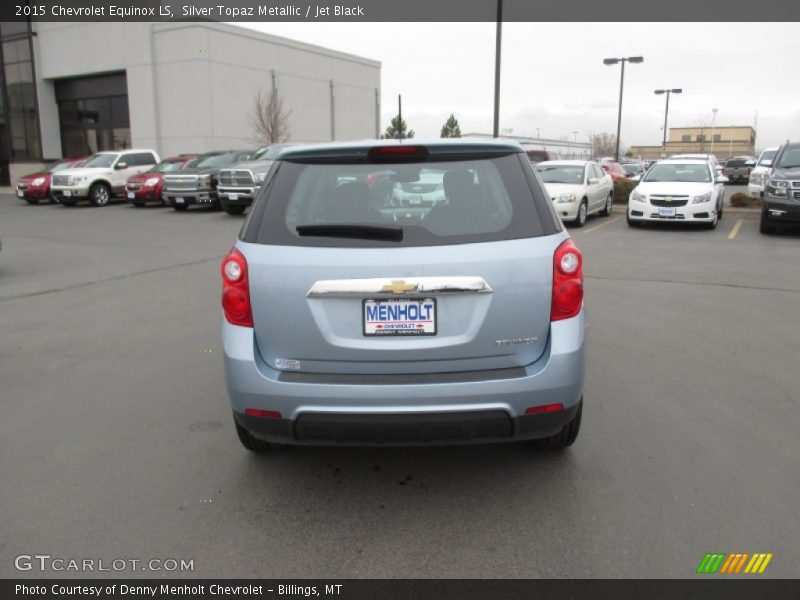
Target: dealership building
[71, 89]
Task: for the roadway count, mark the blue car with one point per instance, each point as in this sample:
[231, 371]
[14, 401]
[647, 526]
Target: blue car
[349, 322]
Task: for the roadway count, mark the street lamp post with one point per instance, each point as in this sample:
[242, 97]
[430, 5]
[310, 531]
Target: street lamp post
[666, 112]
[613, 61]
[713, 128]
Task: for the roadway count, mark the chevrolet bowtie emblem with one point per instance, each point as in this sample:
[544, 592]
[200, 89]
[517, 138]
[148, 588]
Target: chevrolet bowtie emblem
[669, 199]
[399, 286]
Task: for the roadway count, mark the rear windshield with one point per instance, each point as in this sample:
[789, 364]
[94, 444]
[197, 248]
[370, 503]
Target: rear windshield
[736, 163]
[432, 203]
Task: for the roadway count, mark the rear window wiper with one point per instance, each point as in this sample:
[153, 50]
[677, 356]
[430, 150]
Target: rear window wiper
[363, 232]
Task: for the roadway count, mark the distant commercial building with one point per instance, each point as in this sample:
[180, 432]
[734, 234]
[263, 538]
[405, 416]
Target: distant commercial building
[69, 89]
[563, 148]
[722, 141]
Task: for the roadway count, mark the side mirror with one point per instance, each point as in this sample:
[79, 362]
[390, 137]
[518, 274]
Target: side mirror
[767, 162]
[722, 179]
[593, 180]
[636, 177]
[121, 165]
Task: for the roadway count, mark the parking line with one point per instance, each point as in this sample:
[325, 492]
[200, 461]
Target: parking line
[735, 230]
[596, 227]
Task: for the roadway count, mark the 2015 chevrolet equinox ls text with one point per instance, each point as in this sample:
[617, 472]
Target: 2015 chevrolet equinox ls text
[349, 319]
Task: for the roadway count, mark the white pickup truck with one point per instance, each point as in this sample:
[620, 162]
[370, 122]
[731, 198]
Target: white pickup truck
[101, 176]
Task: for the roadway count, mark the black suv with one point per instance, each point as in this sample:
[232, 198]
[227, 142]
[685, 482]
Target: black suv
[782, 190]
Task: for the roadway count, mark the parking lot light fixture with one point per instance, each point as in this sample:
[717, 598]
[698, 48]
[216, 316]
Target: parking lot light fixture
[613, 61]
[666, 111]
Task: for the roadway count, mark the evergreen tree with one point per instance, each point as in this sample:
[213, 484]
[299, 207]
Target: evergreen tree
[451, 128]
[397, 127]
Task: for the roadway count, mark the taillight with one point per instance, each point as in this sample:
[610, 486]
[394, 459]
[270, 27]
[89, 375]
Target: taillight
[236, 290]
[399, 153]
[547, 408]
[567, 282]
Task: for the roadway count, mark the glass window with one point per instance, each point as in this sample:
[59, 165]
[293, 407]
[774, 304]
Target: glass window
[717, 137]
[101, 161]
[701, 138]
[551, 173]
[686, 138]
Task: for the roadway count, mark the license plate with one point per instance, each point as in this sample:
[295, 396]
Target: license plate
[178, 200]
[415, 200]
[131, 195]
[415, 316]
[67, 193]
[232, 196]
[666, 212]
[20, 193]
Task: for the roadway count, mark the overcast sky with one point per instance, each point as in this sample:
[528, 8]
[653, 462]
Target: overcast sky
[553, 76]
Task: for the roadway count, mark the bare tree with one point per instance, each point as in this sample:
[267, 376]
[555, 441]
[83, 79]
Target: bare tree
[703, 123]
[270, 120]
[603, 144]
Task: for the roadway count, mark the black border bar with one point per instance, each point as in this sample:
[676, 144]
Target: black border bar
[703, 587]
[438, 11]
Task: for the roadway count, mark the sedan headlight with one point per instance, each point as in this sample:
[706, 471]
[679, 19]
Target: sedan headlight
[151, 182]
[756, 177]
[260, 177]
[702, 198]
[37, 182]
[568, 197]
[637, 197]
[78, 179]
[204, 181]
[777, 187]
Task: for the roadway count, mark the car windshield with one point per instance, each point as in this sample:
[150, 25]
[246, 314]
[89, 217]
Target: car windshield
[217, 160]
[767, 155]
[631, 169]
[789, 158]
[100, 161]
[560, 173]
[167, 165]
[60, 166]
[695, 173]
[268, 152]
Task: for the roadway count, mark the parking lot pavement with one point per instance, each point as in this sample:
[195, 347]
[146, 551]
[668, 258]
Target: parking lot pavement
[116, 439]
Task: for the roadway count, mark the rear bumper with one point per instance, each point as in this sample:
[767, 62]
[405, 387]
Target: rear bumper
[459, 409]
[427, 428]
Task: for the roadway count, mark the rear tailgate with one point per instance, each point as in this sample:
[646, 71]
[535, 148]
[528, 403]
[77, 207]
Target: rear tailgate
[504, 323]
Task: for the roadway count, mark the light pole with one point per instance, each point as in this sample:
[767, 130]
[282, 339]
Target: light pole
[498, 47]
[713, 128]
[666, 112]
[613, 61]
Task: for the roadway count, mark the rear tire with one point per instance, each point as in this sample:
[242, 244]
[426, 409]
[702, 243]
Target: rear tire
[564, 438]
[233, 209]
[251, 443]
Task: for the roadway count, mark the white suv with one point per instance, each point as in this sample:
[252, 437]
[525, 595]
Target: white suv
[101, 177]
[760, 174]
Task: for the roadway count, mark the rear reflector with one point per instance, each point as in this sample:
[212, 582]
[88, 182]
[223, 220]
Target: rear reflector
[264, 414]
[398, 153]
[547, 408]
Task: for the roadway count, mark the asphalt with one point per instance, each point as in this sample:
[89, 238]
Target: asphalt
[116, 439]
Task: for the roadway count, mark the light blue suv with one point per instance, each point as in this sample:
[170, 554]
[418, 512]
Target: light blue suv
[350, 320]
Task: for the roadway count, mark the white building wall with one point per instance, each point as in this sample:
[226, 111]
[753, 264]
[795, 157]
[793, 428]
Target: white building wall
[191, 86]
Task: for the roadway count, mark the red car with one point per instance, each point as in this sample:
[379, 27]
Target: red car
[615, 170]
[36, 186]
[144, 188]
